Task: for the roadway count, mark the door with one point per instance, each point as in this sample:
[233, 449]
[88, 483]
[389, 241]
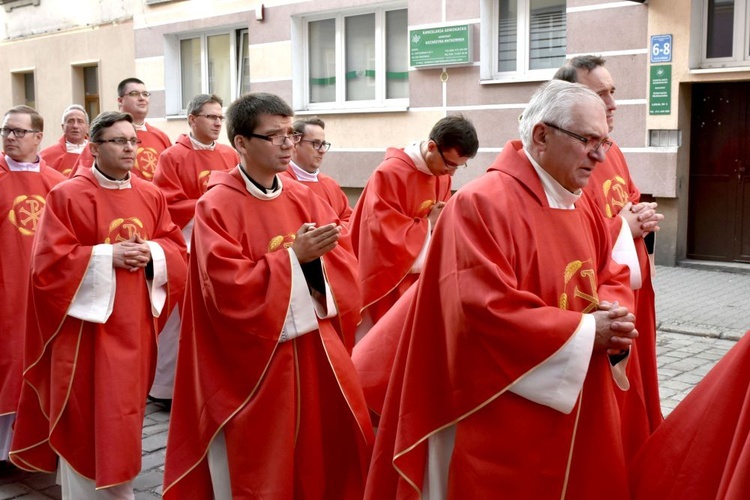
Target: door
[719, 194]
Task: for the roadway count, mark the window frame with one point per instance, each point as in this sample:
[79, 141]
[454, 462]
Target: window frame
[489, 48]
[302, 55]
[173, 64]
[740, 41]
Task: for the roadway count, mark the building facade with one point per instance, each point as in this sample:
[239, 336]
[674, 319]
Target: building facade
[380, 73]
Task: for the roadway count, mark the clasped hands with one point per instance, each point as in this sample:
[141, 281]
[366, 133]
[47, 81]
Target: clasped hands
[615, 328]
[642, 218]
[133, 254]
[312, 242]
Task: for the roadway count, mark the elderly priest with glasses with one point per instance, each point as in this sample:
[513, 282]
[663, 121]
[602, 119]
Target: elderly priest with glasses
[107, 268]
[25, 180]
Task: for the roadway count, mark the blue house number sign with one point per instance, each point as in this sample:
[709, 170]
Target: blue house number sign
[661, 48]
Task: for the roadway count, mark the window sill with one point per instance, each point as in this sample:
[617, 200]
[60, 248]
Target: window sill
[516, 79]
[350, 111]
[725, 69]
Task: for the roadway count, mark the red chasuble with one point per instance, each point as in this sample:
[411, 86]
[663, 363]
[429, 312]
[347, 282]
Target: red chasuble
[702, 450]
[182, 175]
[22, 202]
[85, 384]
[293, 413]
[84, 160]
[389, 227]
[58, 157]
[328, 189]
[611, 188]
[153, 142]
[505, 283]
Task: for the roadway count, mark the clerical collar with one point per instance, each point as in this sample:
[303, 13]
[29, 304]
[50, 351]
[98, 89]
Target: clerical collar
[557, 195]
[304, 175]
[259, 191]
[75, 148]
[108, 182]
[142, 126]
[414, 151]
[199, 146]
[22, 166]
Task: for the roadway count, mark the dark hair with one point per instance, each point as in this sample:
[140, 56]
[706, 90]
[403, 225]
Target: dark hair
[106, 120]
[244, 113]
[456, 132]
[124, 83]
[300, 124]
[37, 122]
[569, 71]
[196, 103]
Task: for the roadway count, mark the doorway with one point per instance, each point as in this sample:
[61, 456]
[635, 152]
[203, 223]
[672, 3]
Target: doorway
[719, 194]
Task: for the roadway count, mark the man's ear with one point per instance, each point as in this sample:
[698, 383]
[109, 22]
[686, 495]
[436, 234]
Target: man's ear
[539, 136]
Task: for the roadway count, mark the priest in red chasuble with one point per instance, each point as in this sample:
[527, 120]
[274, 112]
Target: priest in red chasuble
[630, 220]
[182, 176]
[504, 378]
[393, 220]
[267, 403]
[72, 144]
[25, 181]
[107, 267]
[307, 156]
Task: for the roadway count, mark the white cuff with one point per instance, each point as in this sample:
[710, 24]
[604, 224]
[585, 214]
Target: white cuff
[157, 287]
[624, 253]
[95, 298]
[558, 381]
[187, 233]
[416, 268]
[300, 317]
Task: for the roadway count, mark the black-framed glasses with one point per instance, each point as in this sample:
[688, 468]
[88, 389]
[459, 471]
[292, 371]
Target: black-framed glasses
[590, 143]
[277, 140]
[137, 93]
[448, 163]
[321, 146]
[120, 141]
[19, 133]
[213, 118]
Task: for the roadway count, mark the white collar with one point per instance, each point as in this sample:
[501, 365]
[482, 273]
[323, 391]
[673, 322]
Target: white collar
[199, 146]
[22, 166]
[304, 175]
[414, 151]
[108, 183]
[142, 126]
[253, 189]
[75, 148]
[557, 195]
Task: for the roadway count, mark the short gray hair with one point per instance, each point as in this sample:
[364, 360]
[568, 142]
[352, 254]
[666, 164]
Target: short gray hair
[553, 102]
[74, 107]
[196, 103]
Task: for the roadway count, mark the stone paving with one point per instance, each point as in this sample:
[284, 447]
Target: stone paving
[700, 315]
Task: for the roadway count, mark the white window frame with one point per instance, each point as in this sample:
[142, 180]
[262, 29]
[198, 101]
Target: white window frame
[173, 65]
[489, 28]
[740, 42]
[301, 55]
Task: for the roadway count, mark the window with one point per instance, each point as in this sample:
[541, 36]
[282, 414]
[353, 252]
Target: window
[207, 63]
[356, 59]
[528, 38]
[23, 89]
[91, 90]
[725, 33]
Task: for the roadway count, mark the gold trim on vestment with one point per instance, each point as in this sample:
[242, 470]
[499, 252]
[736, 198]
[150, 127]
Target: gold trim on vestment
[572, 445]
[297, 392]
[398, 455]
[246, 401]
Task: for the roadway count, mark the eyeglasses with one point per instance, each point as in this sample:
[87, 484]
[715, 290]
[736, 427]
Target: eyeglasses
[591, 143]
[136, 93]
[278, 140]
[321, 146]
[19, 133]
[120, 141]
[213, 118]
[450, 164]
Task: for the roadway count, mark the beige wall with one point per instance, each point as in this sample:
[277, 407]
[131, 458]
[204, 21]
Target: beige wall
[53, 59]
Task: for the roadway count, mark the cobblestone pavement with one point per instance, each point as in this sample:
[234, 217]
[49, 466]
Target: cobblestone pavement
[700, 315]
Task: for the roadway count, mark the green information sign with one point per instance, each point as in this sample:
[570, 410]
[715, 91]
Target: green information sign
[660, 90]
[442, 46]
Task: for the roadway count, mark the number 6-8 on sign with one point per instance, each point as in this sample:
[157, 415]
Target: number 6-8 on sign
[661, 48]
